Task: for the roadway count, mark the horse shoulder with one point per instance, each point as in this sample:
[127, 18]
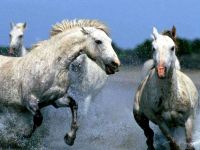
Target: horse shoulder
[148, 65]
[187, 89]
[139, 93]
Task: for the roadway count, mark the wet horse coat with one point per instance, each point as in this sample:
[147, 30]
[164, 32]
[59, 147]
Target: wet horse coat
[167, 97]
[41, 77]
[149, 64]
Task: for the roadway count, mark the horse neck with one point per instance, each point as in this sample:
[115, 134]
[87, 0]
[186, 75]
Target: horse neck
[64, 51]
[169, 84]
[22, 50]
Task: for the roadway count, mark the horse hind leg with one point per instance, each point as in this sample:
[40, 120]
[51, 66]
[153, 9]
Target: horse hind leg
[143, 122]
[188, 133]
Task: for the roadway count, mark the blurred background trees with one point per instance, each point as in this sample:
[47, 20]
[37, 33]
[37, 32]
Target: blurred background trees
[188, 53]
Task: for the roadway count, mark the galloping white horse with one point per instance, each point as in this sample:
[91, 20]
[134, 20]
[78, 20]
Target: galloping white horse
[43, 77]
[16, 39]
[167, 97]
[149, 64]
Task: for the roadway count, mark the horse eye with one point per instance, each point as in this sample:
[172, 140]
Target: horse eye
[173, 48]
[98, 41]
[153, 49]
[21, 36]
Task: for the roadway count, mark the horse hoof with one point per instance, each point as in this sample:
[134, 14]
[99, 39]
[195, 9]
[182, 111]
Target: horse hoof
[69, 140]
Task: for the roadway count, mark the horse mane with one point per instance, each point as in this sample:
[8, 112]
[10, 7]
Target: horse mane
[69, 24]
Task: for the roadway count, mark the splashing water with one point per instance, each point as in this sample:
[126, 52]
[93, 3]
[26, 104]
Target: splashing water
[109, 123]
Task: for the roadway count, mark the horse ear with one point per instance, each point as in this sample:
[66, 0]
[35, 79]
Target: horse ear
[24, 25]
[174, 31]
[12, 25]
[84, 30]
[152, 36]
[155, 33]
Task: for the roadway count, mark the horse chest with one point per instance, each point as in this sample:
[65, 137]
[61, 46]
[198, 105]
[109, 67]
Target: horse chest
[166, 107]
[171, 111]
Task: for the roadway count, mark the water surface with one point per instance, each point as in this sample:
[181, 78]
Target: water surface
[109, 124]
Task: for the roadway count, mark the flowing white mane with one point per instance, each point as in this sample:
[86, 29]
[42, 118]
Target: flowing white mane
[69, 24]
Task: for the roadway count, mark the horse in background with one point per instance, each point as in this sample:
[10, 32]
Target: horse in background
[149, 64]
[167, 97]
[42, 77]
[16, 35]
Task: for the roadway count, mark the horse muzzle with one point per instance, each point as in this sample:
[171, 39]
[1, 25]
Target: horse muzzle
[112, 67]
[161, 71]
[11, 51]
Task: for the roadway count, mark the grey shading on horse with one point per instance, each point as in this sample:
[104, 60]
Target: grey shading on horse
[86, 80]
[149, 64]
[16, 35]
[42, 77]
[167, 96]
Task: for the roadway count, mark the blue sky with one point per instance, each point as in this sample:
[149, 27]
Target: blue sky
[130, 21]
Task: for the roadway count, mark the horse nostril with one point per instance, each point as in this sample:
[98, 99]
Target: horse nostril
[114, 64]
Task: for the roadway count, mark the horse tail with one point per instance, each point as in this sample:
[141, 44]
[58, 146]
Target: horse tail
[148, 65]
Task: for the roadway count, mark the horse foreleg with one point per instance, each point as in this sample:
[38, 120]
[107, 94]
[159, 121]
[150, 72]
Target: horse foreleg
[143, 122]
[32, 105]
[165, 130]
[69, 102]
[188, 133]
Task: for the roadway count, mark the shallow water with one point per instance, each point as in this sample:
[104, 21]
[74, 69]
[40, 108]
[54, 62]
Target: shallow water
[109, 124]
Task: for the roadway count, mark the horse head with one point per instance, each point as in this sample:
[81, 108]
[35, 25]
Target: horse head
[99, 47]
[164, 55]
[16, 37]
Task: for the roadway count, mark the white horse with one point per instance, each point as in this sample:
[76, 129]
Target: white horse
[149, 64]
[167, 97]
[16, 39]
[87, 78]
[42, 77]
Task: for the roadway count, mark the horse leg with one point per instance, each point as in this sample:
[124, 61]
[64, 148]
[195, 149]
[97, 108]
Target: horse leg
[143, 122]
[32, 106]
[69, 102]
[188, 133]
[165, 130]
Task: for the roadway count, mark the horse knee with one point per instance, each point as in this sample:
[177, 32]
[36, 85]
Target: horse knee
[31, 103]
[72, 103]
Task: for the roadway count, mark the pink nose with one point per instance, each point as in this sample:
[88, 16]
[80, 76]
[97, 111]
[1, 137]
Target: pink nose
[161, 70]
[116, 62]
[11, 51]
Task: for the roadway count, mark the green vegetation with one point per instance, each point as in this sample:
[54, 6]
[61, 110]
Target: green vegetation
[4, 51]
[188, 52]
